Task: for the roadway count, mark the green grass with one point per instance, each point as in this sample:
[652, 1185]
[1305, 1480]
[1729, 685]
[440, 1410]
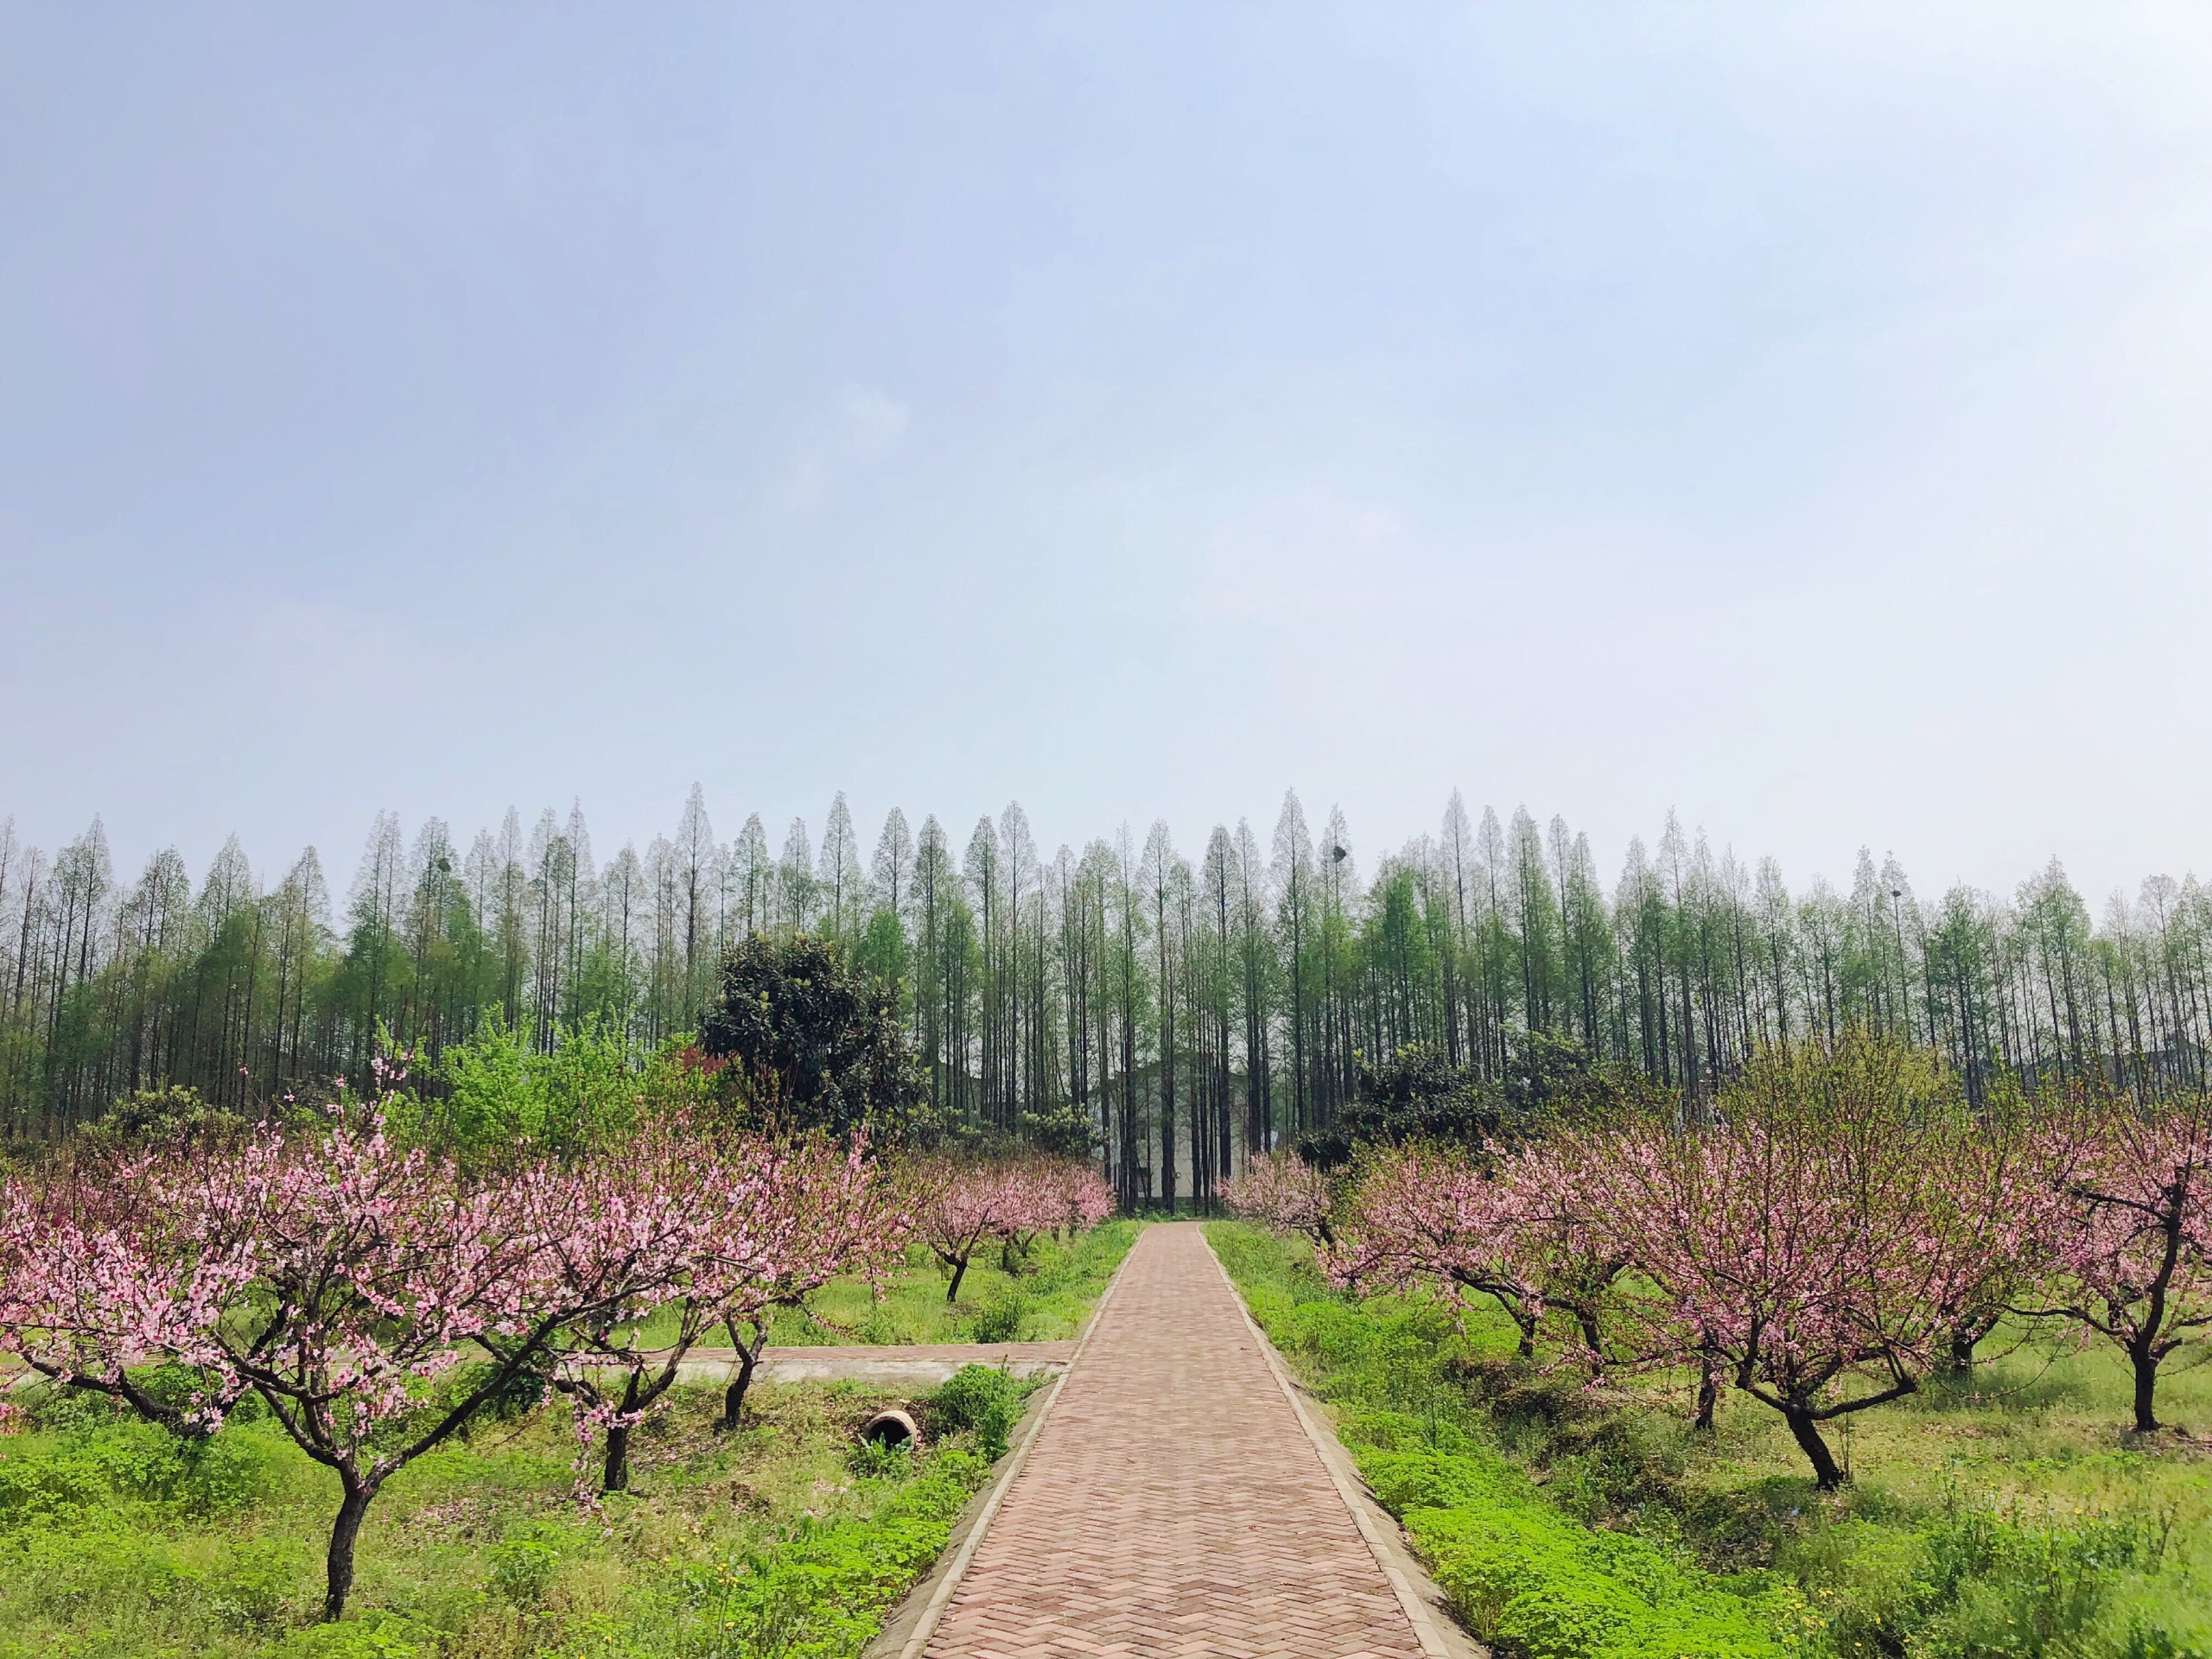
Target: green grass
[1044, 1299]
[2009, 1517]
[782, 1538]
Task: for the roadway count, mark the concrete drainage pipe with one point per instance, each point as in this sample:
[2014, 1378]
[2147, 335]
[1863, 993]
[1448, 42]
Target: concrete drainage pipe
[892, 1427]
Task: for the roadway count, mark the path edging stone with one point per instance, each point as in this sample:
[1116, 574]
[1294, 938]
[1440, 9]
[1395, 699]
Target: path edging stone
[1425, 1604]
[915, 1623]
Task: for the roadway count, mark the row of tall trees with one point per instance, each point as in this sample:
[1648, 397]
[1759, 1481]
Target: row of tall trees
[1189, 1003]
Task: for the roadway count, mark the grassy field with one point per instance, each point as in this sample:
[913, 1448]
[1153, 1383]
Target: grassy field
[1044, 1301]
[2007, 1516]
[116, 1539]
[781, 1539]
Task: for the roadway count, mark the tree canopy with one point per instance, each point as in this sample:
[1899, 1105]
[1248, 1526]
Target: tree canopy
[814, 1042]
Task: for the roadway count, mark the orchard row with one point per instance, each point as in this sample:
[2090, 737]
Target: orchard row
[1839, 1229]
[342, 1281]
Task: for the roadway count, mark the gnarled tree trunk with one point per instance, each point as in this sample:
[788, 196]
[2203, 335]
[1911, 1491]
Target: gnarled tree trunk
[344, 1532]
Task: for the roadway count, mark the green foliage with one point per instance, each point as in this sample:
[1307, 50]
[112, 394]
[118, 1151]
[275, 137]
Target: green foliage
[1418, 1095]
[523, 1563]
[978, 1398]
[821, 1593]
[1064, 1131]
[368, 1637]
[1532, 1579]
[50, 1491]
[1973, 1581]
[883, 952]
[251, 1597]
[146, 1115]
[814, 1042]
[110, 1458]
[497, 1089]
[880, 1459]
[1003, 1317]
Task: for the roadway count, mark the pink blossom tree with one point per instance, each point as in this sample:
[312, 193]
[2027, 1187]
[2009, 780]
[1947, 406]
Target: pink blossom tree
[1284, 1194]
[1822, 1243]
[1085, 1200]
[848, 1215]
[96, 1278]
[1047, 1194]
[960, 1208]
[1515, 1226]
[1421, 1216]
[758, 1224]
[2125, 1223]
[1560, 1241]
[332, 1278]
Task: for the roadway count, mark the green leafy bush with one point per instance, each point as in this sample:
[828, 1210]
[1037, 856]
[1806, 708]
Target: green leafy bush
[1001, 1318]
[985, 1400]
[523, 1563]
[499, 1088]
[880, 1460]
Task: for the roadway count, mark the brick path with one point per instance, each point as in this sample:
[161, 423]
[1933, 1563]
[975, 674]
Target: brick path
[1172, 1504]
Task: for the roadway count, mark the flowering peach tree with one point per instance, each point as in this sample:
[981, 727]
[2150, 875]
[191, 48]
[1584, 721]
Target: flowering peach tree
[333, 1276]
[738, 1226]
[959, 1208]
[1820, 1243]
[2124, 1221]
[1284, 1194]
[1424, 1217]
[98, 1277]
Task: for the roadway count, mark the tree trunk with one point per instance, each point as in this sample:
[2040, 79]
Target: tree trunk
[1591, 1340]
[1963, 1338]
[616, 1476]
[339, 1580]
[2146, 1391]
[1708, 1394]
[959, 1272]
[1807, 1432]
[747, 1358]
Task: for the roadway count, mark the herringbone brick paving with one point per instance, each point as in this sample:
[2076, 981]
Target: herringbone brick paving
[1172, 1504]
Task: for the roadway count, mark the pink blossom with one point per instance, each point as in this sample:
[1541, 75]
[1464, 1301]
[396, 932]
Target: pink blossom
[1822, 1245]
[1283, 1193]
[2124, 1219]
[958, 1208]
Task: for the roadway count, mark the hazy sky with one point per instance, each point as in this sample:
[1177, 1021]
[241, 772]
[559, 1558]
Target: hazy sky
[1797, 417]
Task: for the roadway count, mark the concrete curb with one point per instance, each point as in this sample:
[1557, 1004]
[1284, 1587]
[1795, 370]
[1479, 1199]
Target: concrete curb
[911, 1627]
[1426, 1607]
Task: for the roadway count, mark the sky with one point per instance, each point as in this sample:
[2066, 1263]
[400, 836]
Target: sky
[1796, 417]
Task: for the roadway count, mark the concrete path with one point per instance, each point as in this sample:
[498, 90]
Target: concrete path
[917, 1365]
[1172, 1502]
[922, 1364]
